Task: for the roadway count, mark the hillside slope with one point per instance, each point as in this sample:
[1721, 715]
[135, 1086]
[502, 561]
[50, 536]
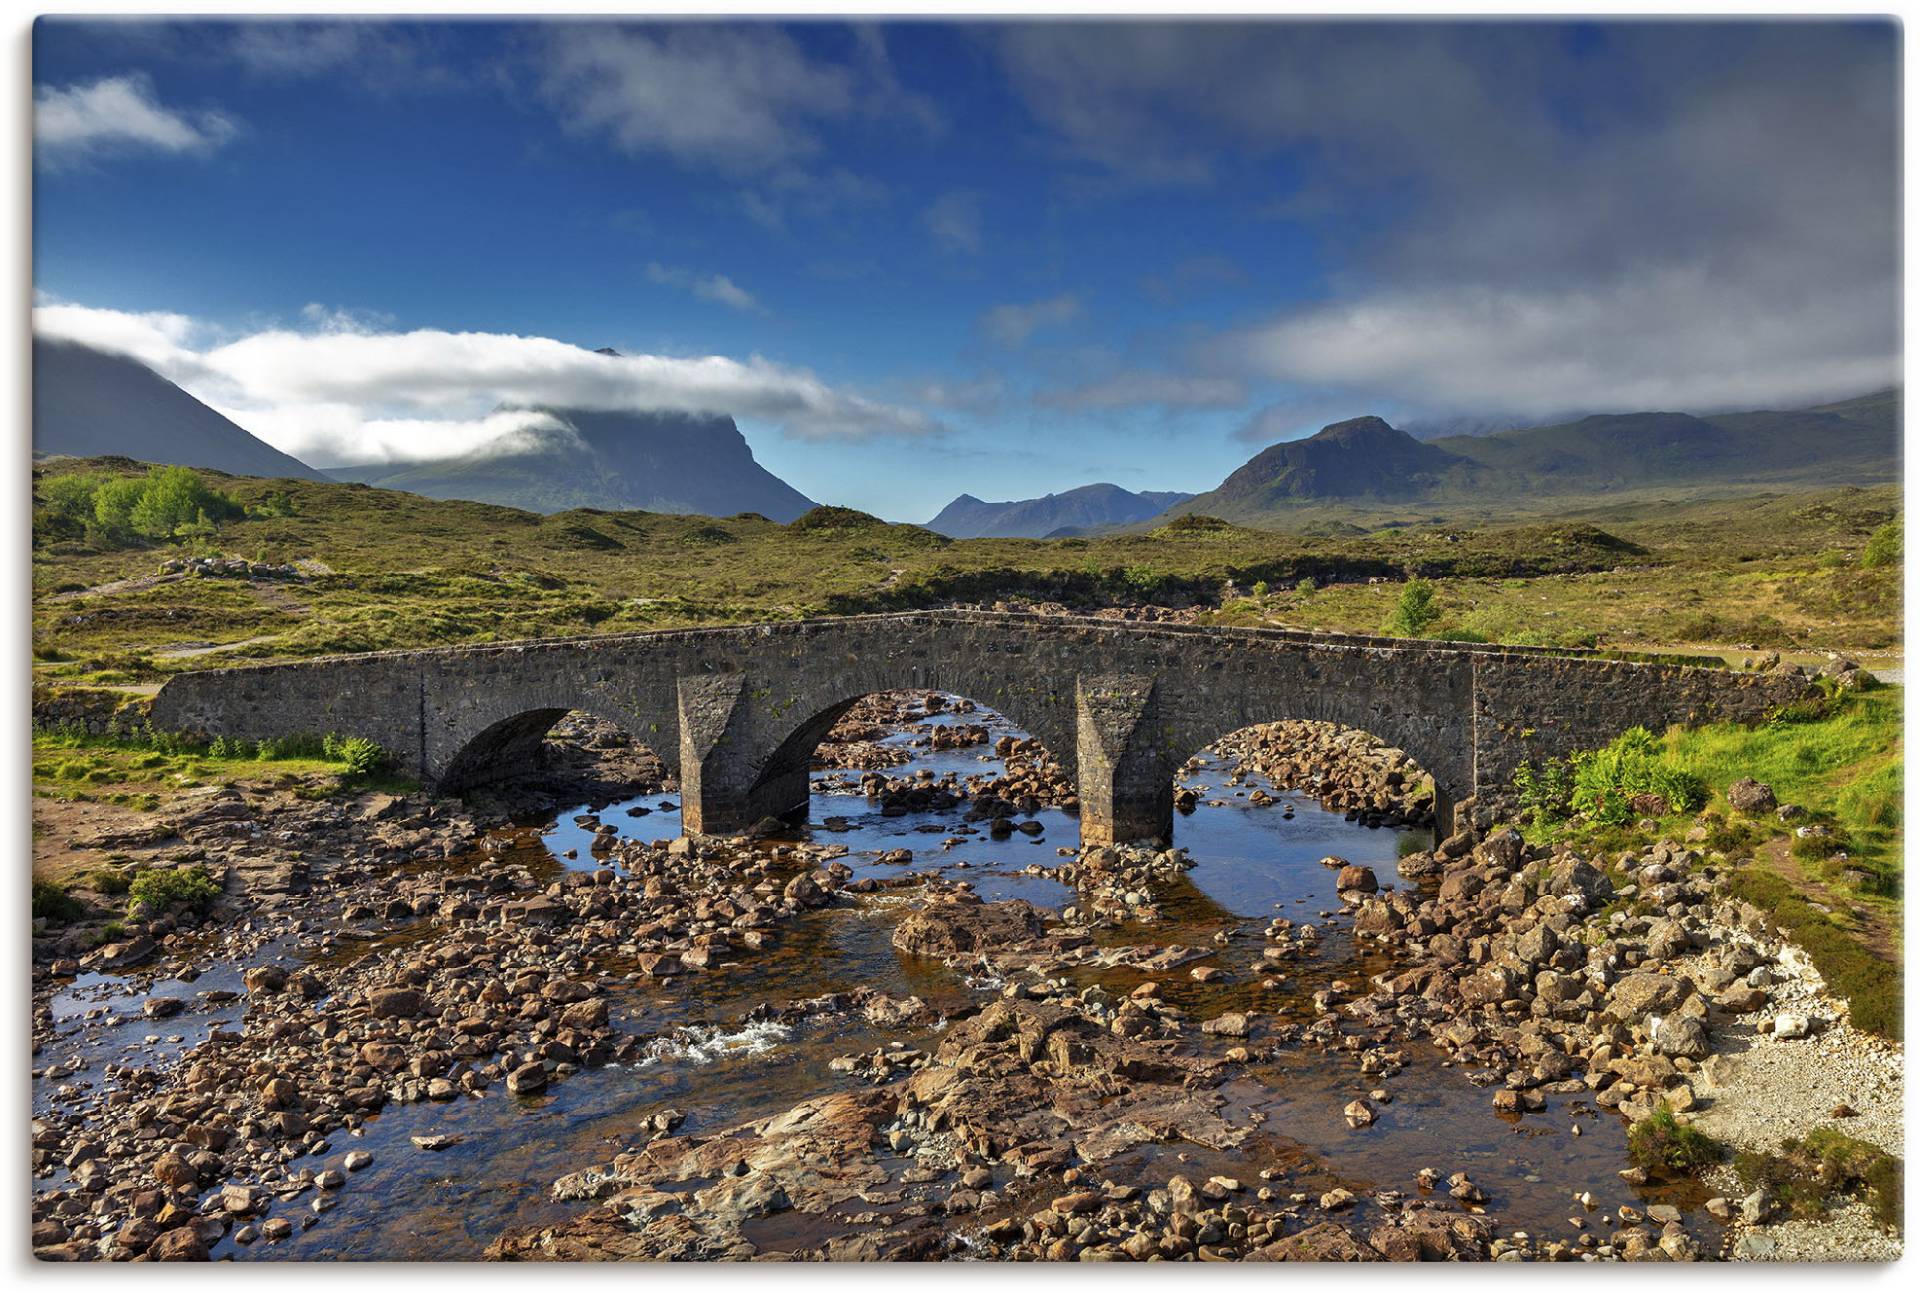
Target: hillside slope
[88, 403]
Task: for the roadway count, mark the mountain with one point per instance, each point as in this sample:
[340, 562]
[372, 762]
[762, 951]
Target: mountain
[616, 461]
[1359, 460]
[1367, 464]
[1089, 507]
[88, 403]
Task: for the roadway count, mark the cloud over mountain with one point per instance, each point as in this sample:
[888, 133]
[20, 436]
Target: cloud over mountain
[355, 394]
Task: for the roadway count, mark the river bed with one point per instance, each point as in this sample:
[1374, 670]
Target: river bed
[708, 1061]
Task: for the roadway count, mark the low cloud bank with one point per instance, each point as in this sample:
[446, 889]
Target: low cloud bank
[337, 394]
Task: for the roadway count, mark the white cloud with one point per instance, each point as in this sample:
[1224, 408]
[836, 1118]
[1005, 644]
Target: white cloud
[1012, 325]
[1139, 389]
[335, 395]
[118, 114]
[741, 99]
[1698, 346]
[717, 288]
[953, 221]
[156, 338]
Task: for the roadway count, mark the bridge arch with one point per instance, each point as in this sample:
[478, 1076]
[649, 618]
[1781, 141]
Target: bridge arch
[782, 756]
[498, 734]
[1359, 768]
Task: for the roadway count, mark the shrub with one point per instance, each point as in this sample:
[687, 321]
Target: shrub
[154, 892]
[1827, 1163]
[1306, 587]
[69, 497]
[1545, 792]
[108, 881]
[114, 501]
[1661, 1144]
[1414, 613]
[167, 501]
[52, 902]
[1883, 548]
[363, 757]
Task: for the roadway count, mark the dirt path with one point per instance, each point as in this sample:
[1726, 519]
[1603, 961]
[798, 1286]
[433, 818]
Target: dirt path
[1864, 922]
[139, 583]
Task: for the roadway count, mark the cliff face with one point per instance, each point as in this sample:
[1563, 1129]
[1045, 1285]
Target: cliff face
[616, 461]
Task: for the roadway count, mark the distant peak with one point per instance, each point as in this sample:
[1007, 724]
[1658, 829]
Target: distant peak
[1368, 425]
[609, 351]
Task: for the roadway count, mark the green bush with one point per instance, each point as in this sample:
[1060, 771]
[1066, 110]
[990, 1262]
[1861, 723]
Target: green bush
[154, 892]
[1414, 613]
[166, 502]
[69, 497]
[363, 757]
[1545, 792]
[1606, 781]
[52, 902]
[1661, 1144]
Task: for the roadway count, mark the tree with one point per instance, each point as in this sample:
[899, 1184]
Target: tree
[69, 497]
[1414, 613]
[114, 501]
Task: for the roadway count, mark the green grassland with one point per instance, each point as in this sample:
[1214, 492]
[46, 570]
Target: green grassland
[388, 569]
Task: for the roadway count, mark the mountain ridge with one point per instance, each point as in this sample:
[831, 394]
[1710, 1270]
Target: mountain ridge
[1088, 507]
[1364, 462]
[678, 463]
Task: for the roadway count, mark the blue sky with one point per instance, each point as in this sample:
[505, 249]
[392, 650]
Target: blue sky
[921, 259]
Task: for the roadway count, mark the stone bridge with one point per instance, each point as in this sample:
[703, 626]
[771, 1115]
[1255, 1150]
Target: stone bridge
[738, 711]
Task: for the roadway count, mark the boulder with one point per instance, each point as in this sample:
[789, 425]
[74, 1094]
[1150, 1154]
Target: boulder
[950, 928]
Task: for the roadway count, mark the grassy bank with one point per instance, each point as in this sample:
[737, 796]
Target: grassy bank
[1832, 878]
[139, 769]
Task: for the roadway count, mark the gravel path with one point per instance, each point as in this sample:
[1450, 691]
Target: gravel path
[1765, 1090]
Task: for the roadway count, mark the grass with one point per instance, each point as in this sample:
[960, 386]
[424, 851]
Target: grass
[1844, 766]
[397, 570]
[1807, 1174]
[136, 769]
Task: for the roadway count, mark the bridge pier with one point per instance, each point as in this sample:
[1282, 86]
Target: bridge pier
[721, 791]
[1125, 778]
